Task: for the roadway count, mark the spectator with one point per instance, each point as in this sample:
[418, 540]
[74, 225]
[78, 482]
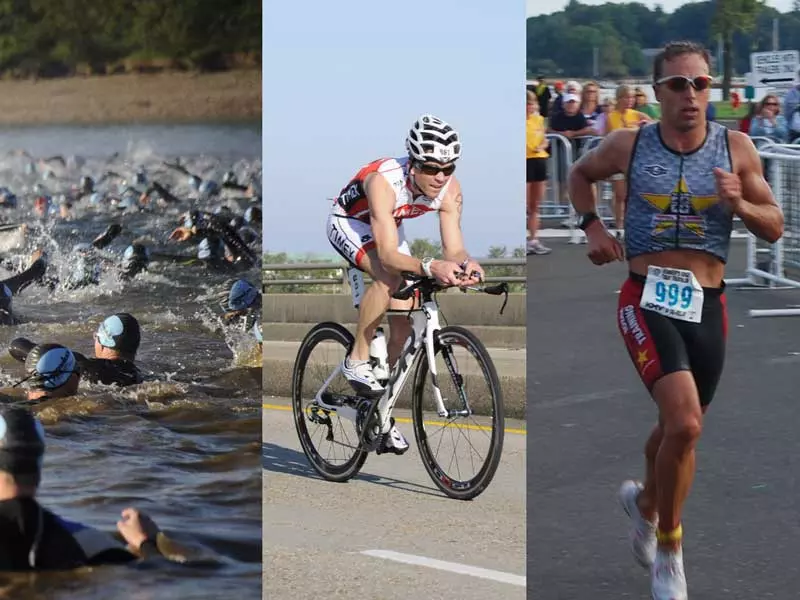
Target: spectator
[791, 101]
[543, 96]
[642, 104]
[536, 176]
[572, 87]
[770, 123]
[601, 121]
[590, 103]
[570, 121]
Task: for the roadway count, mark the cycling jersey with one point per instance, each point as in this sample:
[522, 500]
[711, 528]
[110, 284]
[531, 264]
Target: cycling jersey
[352, 200]
[672, 197]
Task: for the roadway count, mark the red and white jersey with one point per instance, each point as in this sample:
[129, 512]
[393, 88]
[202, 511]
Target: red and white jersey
[352, 200]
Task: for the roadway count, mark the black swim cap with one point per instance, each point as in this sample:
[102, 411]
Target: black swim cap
[120, 332]
[21, 441]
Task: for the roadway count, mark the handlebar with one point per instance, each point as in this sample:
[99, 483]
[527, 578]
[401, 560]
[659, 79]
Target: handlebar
[429, 285]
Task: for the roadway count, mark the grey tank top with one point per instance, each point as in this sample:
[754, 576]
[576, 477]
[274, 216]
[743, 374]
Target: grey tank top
[672, 201]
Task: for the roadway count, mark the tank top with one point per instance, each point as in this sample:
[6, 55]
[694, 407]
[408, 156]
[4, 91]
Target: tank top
[672, 199]
[534, 136]
[627, 120]
[352, 200]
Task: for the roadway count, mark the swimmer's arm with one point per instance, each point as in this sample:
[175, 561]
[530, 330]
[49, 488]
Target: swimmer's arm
[609, 158]
[450, 224]
[758, 210]
[381, 199]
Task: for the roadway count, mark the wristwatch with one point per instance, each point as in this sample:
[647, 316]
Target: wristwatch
[587, 220]
[426, 266]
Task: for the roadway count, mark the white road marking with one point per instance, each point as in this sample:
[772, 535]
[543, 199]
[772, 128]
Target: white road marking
[461, 569]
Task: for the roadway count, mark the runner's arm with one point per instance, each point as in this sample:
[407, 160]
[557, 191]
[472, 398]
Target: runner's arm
[450, 225]
[759, 211]
[609, 158]
[381, 199]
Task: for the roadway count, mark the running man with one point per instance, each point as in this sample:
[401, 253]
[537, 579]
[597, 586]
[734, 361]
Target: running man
[365, 226]
[687, 180]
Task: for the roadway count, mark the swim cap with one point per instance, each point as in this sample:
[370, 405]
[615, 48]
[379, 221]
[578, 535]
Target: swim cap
[194, 182]
[21, 441]
[253, 215]
[50, 366]
[208, 188]
[86, 184]
[120, 332]
[242, 295]
[140, 177]
[96, 198]
[207, 249]
[135, 256]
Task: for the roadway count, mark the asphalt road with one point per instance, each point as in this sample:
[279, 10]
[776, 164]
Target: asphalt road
[356, 539]
[589, 415]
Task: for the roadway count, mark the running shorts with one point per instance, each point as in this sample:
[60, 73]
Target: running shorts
[536, 169]
[660, 345]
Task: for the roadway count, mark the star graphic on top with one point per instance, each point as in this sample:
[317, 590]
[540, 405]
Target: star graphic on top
[664, 201]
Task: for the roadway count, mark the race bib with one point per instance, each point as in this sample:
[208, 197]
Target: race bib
[674, 293]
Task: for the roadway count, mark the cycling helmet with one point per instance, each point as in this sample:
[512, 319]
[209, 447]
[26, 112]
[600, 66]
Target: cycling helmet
[431, 139]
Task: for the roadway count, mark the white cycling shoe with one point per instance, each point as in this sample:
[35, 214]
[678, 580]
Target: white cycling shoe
[360, 376]
[393, 442]
[642, 534]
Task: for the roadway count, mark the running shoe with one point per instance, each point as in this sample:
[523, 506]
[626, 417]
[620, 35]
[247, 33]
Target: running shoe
[536, 247]
[642, 534]
[669, 579]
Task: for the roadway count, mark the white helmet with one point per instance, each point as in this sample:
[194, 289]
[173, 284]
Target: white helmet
[430, 138]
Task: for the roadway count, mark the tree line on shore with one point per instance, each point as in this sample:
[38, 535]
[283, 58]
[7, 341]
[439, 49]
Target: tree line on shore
[57, 38]
[564, 42]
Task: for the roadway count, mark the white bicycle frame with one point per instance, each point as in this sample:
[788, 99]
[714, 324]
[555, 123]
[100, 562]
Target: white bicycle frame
[424, 323]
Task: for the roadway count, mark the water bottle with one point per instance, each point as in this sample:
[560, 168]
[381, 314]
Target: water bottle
[379, 355]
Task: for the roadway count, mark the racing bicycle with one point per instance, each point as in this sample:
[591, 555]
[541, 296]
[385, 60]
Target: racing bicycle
[471, 413]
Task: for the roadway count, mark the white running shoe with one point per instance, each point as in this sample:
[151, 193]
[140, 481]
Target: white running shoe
[534, 246]
[394, 441]
[359, 374]
[643, 533]
[669, 579]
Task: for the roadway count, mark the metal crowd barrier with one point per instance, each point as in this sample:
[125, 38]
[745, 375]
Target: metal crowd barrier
[777, 266]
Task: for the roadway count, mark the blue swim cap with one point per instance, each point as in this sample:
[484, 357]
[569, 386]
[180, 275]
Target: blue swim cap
[120, 332]
[242, 295]
[207, 188]
[52, 366]
[208, 249]
[194, 182]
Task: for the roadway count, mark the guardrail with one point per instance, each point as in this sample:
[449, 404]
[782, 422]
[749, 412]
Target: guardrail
[342, 279]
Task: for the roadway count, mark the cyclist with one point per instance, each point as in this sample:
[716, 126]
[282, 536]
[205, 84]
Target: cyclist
[365, 226]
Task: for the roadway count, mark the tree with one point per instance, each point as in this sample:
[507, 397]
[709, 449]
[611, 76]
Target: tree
[730, 17]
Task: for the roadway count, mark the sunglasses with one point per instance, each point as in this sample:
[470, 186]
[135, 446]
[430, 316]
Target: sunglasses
[435, 169]
[681, 83]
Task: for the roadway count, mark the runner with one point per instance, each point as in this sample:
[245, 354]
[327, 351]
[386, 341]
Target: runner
[687, 179]
[33, 538]
[365, 227]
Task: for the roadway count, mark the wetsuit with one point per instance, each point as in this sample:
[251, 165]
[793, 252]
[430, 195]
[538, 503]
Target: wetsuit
[34, 538]
[121, 372]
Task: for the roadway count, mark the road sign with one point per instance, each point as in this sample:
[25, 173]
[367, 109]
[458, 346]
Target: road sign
[775, 70]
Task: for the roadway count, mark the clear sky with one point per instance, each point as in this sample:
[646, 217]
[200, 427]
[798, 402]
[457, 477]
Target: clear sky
[344, 81]
[545, 7]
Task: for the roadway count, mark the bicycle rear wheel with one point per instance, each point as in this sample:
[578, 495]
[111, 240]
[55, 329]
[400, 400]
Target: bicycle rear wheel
[481, 432]
[326, 437]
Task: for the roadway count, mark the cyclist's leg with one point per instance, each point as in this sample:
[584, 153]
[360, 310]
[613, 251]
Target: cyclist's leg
[400, 326]
[353, 240]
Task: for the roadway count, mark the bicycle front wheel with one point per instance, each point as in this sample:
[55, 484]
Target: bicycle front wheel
[473, 396]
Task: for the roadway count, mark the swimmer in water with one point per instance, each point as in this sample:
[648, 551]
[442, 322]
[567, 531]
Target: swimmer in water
[52, 372]
[244, 308]
[220, 246]
[33, 538]
[116, 343]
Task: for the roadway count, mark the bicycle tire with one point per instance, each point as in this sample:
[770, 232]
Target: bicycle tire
[460, 490]
[322, 332]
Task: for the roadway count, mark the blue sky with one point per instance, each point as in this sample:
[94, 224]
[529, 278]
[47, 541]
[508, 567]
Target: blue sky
[540, 7]
[343, 82]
